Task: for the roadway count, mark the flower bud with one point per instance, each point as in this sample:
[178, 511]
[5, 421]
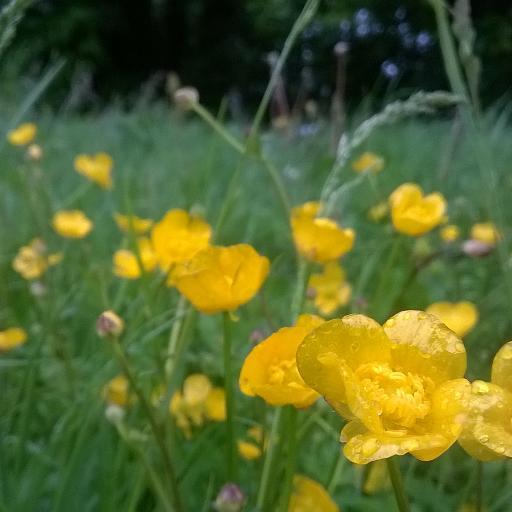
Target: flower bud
[114, 413]
[230, 499]
[340, 49]
[186, 97]
[34, 152]
[109, 324]
[476, 248]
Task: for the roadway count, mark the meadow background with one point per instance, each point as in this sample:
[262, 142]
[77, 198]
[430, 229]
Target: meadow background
[58, 451]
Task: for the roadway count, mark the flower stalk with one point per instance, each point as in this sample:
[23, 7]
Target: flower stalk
[398, 485]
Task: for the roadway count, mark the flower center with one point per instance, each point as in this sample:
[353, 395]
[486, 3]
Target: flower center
[284, 372]
[401, 398]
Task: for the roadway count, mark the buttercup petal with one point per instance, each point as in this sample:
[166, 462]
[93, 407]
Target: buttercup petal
[502, 367]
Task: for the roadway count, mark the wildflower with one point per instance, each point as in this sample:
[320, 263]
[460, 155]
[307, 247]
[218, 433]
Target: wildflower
[197, 402]
[128, 264]
[487, 433]
[310, 496]
[413, 213]
[270, 369]
[485, 232]
[378, 212]
[109, 324]
[72, 224]
[476, 249]
[460, 317]
[395, 384]
[97, 168]
[186, 97]
[330, 289]
[117, 391]
[178, 237]
[368, 162]
[34, 152]
[230, 499]
[221, 278]
[450, 233]
[32, 260]
[319, 239]
[12, 338]
[251, 449]
[22, 135]
[132, 223]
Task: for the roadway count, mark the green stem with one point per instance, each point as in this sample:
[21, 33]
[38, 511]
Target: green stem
[271, 456]
[230, 400]
[174, 337]
[479, 501]
[398, 485]
[291, 457]
[279, 187]
[155, 428]
[300, 288]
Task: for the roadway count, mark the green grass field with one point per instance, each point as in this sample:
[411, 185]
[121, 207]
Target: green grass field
[58, 451]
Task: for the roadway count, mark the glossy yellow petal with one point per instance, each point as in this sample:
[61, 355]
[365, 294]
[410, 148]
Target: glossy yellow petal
[487, 433]
[178, 237]
[460, 317]
[116, 391]
[502, 367]
[337, 345]
[368, 162]
[12, 338]
[485, 232]
[319, 239]
[97, 168]
[310, 496]
[126, 265]
[270, 369]
[196, 389]
[248, 451]
[413, 213]
[71, 224]
[132, 223]
[221, 278]
[424, 345]
[216, 405]
[329, 288]
[22, 135]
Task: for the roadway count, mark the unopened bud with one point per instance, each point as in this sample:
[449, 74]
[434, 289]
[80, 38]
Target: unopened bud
[311, 293]
[256, 336]
[230, 499]
[186, 97]
[37, 289]
[109, 324]
[340, 49]
[114, 414]
[476, 248]
[34, 152]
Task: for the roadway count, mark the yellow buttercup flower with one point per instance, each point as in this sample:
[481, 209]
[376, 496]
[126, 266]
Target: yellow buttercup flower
[319, 239]
[368, 162]
[270, 369]
[378, 212]
[132, 223]
[22, 135]
[310, 496]
[221, 278]
[460, 317]
[450, 233]
[485, 232]
[395, 384]
[330, 289]
[413, 213]
[178, 237]
[72, 224]
[12, 338]
[117, 391]
[251, 449]
[197, 402]
[32, 260]
[487, 433]
[97, 168]
[126, 263]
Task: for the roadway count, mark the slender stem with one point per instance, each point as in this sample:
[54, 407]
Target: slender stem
[335, 475]
[291, 457]
[271, 455]
[230, 400]
[172, 346]
[279, 187]
[157, 431]
[398, 485]
[303, 268]
[479, 501]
